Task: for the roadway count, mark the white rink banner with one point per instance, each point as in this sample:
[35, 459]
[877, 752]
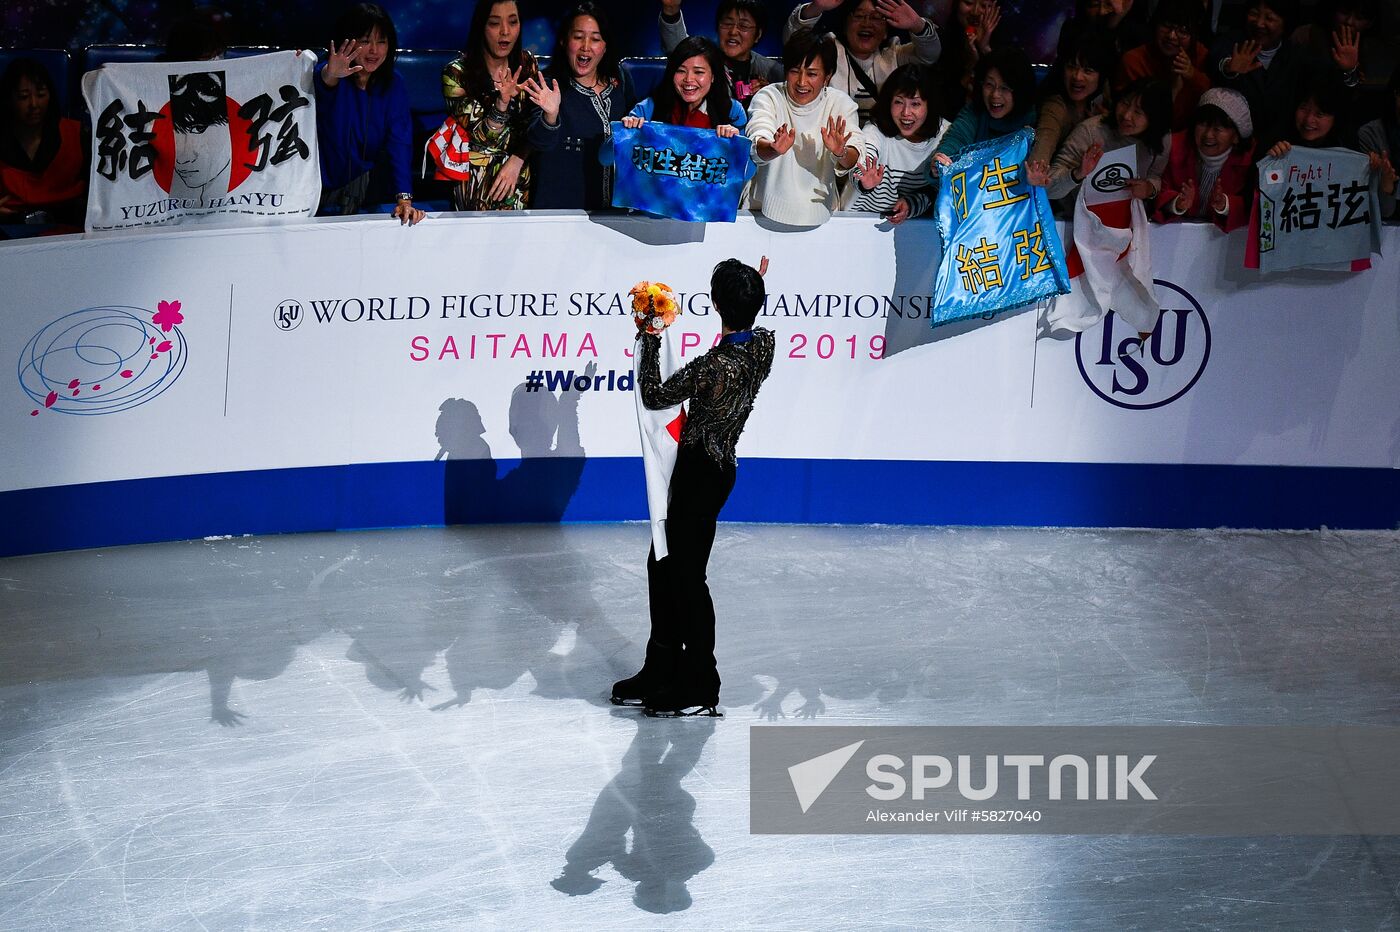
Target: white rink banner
[359, 341]
[232, 141]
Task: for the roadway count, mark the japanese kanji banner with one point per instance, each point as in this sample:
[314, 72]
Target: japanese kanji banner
[1317, 207]
[1000, 246]
[679, 171]
[176, 142]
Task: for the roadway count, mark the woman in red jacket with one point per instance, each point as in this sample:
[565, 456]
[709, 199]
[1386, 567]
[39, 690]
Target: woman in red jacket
[42, 157]
[1210, 171]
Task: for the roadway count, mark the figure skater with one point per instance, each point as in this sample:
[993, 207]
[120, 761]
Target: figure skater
[679, 676]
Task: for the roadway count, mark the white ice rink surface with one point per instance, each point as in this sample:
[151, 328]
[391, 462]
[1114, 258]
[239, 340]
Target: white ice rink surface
[409, 729]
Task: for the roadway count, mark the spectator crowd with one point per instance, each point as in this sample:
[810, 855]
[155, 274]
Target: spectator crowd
[868, 103]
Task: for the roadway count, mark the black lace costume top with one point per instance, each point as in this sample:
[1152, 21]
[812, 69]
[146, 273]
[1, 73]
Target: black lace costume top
[721, 386]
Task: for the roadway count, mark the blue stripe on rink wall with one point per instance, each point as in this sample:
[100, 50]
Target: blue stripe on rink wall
[769, 490]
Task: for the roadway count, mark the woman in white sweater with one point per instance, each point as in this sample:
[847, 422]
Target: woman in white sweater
[805, 136]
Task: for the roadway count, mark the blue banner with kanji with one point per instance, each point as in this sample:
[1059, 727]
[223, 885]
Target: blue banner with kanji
[679, 171]
[1000, 246]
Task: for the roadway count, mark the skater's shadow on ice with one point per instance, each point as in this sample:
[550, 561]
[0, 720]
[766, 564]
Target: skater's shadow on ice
[646, 799]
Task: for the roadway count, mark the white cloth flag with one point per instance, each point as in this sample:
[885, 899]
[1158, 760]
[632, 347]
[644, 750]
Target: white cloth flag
[181, 142]
[661, 434]
[1109, 180]
[1117, 274]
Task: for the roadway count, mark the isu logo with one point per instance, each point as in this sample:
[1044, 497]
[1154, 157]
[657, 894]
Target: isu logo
[287, 315]
[1172, 361]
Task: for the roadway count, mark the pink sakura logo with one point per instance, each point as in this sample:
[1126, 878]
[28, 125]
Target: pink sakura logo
[102, 360]
[167, 315]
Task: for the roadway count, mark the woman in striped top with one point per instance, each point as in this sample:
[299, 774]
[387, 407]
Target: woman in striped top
[893, 177]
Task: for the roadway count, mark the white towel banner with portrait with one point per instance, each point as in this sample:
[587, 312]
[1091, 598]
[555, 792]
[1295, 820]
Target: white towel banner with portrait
[214, 141]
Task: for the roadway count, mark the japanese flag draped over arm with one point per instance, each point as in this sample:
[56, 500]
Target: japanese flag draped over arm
[1318, 208]
[661, 438]
[1000, 246]
[181, 142]
[680, 172]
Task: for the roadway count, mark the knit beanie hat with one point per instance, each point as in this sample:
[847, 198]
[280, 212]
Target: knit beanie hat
[1233, 104]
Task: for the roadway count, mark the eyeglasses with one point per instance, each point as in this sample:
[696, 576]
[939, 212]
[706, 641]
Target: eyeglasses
[1173, 29]
[866, 18]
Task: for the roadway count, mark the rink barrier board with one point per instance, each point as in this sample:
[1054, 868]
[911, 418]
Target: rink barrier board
[796, 491]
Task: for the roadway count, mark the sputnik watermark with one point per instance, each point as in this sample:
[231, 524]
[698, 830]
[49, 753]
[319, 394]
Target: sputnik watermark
[1063, 780]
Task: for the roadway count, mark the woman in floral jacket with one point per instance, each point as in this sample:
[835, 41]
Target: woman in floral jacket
[486, 152]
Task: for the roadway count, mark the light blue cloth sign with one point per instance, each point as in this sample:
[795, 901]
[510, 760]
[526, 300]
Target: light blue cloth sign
[1317, 207]
[1000, 246]
[679, 171]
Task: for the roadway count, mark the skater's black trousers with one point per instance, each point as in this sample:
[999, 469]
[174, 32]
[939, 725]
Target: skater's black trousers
[682, 613]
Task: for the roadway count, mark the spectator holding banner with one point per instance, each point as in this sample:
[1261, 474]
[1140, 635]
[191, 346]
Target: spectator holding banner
[1110, 261]
[482, 145]
[1173, 55]
[1209, 172]
[906, 127]
[573, 108]
[362, 116]
[1003, 101]
[43, 158]
[1320, 122]
[863, 59]
[202, 34]
[1381, 139]
[1141, 119]
[739, 25]
[1319, 119]
[692, 92]
[805, 136]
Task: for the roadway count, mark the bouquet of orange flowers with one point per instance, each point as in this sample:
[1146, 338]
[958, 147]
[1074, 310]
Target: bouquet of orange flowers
[654, 306]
